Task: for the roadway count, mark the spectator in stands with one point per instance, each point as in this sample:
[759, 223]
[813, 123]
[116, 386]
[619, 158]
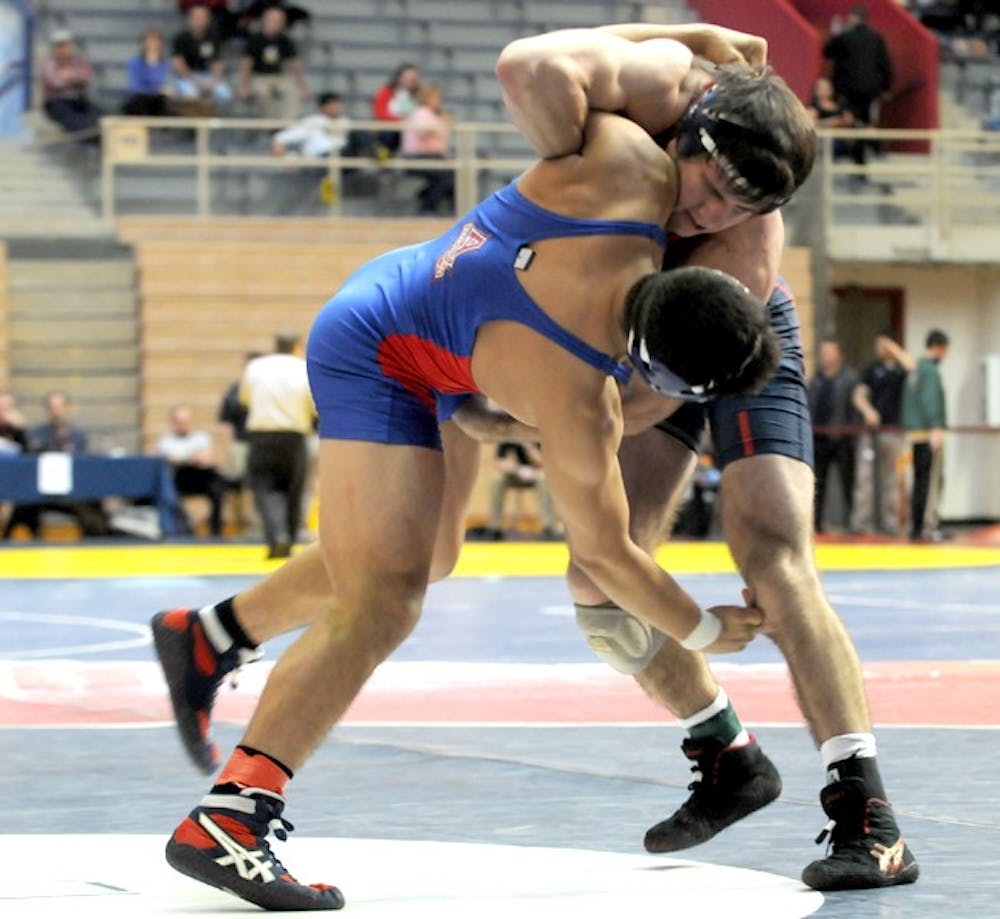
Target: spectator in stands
[831, 392]
[395, 101]
[66, 79]
[862, 71]
[324, 133]
[428, 136]
[13, 431]
[58, 435]
[275, 389]
[271, 71]
[828, 111]
[878, 397]
[925, 419]
[149, 88]
[252, 11]
[192, 458]
[199, 72]
[222, 18]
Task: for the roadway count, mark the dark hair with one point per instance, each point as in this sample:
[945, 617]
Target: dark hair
[323, 98]
[398, 72]
[285, 342]
[706, 327]
[936, 338]
[757, 131]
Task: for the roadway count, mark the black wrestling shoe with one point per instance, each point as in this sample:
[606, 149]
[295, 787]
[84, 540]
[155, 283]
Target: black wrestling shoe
[223, 843]
[729, 784]
[866, 848]
[194, 671]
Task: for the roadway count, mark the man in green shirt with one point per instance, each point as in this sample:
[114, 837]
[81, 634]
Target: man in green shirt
[925, 420]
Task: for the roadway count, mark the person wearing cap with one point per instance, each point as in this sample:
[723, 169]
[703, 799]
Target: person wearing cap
[547, 298]
[737, 134]
[66, 79]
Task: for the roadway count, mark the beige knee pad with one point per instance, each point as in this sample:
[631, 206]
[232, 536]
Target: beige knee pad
[620, 639]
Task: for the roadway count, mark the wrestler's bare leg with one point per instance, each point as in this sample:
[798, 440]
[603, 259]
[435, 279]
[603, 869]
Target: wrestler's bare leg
[300, 590]
[767, 521]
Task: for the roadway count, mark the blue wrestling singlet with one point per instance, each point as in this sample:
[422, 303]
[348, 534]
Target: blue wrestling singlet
[391, 351]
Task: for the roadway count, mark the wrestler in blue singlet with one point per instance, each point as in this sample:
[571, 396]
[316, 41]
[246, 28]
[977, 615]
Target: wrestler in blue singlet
[391, 349]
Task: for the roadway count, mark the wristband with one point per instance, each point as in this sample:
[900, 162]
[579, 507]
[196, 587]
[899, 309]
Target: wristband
[704, 633]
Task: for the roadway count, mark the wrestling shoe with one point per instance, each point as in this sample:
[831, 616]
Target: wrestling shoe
[194, 671]
[867, 850]
[223, 843]
[729, 784]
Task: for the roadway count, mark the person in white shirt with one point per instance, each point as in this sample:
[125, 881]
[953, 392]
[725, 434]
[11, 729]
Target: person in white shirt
[281, 414]
[191, 455]
[324, 133]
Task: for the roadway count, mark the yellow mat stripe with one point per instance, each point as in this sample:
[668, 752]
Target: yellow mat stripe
[477, 560]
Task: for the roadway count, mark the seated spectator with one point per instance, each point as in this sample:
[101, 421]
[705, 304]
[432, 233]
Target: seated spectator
[224, 21]
[324, 133]
[199, 72]
[149, 86]
[13, 433]
[192, 458]
[252, 11]
[270, 69]
[58, 435]
[395, 101]
[66, 79]
[428, 136]
[519, 467]
[829, 111]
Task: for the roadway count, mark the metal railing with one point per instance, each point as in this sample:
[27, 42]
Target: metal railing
[920, 195]
[127, 145]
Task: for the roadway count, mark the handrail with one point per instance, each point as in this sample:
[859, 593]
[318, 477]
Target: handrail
[466, 165]
[922, 186]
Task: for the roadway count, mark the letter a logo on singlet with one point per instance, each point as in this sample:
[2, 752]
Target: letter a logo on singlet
[469, 239]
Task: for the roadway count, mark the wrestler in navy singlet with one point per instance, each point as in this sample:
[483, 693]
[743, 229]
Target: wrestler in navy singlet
[775, 420]
[392, 349]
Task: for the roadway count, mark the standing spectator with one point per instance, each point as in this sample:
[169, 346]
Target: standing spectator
[66, 79]
[275, 389]
[149, 78]
[428, 136]
[192, 458]
[233, 417]
[830, 405]
[13, 433]
[879, 398]
[862, 71]
[396, 101]
[270, 69]
[59, 435]
[199, 72]
[925, 420]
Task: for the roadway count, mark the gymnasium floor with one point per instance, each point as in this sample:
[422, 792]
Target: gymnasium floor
[492, 767]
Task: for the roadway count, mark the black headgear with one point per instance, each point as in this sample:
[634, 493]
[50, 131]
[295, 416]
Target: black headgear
[705, 128]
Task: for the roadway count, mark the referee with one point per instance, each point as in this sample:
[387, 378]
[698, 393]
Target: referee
[275, 390]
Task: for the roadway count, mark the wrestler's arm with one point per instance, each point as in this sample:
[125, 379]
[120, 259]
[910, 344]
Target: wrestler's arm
[714, 43]
[477, 418]
[550, 82]
[579, 441]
